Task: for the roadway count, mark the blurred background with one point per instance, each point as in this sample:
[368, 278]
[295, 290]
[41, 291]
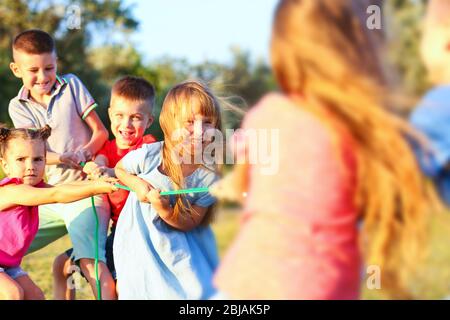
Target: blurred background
[225, 43]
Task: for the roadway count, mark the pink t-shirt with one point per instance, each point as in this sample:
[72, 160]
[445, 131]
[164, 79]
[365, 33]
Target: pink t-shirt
[18, 227]
[298, 238]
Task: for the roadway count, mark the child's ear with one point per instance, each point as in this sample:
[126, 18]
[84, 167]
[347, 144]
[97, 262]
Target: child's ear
[15, 69]
[149, 122]
[4, 166]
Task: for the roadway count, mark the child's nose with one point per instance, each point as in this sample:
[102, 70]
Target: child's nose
[30, 166]
[128, 122]
[199, 128]
[41, 75]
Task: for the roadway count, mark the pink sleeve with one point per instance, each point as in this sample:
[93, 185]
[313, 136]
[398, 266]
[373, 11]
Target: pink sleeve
[7, 181]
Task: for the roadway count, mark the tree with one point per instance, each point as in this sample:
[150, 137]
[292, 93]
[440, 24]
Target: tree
[72, 41]
[404, 32]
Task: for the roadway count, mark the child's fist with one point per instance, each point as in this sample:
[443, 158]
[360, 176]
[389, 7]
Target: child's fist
[71, 159]
[95, 171]
[142, 189]
[107, 185]
[159, 202]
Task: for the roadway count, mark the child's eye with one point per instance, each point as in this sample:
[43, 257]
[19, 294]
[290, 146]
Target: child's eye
[20, 159]
[49, 68]
[38, 159]
[33, 70]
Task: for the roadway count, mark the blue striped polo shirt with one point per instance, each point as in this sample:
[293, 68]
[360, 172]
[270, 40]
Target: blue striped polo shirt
[70, 104]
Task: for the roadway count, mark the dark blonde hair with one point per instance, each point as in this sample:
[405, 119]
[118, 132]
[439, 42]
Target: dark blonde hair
[322, 51]
[134, 89]
[7, 135]
[190, 94]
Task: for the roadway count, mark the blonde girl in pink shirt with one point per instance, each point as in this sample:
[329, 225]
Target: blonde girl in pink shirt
[343, 162]
[22, 156]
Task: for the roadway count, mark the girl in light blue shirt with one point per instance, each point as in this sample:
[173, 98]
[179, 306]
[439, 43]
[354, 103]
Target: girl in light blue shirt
[164, 247]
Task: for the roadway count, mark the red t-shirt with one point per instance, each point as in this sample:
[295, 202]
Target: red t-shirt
[110, 150]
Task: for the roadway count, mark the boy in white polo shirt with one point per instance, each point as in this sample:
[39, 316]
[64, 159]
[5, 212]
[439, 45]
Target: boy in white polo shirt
[77, 133]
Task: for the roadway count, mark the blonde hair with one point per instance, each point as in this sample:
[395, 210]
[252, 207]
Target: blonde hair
[321, 50]
[182, 98]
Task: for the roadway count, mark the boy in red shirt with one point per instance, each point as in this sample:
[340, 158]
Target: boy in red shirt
[130, 113]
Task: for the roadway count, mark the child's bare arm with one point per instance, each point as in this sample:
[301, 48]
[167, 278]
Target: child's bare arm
[27, 195]
[68, 158]
[138, 185]
[99, 135]
[162, 206]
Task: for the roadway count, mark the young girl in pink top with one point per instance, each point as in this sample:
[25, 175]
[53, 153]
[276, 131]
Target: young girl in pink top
[341, 160]
[22, 156]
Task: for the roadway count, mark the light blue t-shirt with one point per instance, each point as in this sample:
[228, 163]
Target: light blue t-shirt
[432, 118]
[154, 260]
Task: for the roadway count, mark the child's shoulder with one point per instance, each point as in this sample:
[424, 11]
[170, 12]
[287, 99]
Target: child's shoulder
[276, 110]
[433, 105]
[437, 95]
[148, 138]
[277, 107]
[7, 181]
[206, 176]
[70, 79]
[152, 149]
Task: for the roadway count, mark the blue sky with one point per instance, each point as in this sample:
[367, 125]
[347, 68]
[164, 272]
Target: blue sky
[202, 29]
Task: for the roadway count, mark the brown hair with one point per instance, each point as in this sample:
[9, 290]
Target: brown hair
[322, 51]
[134, 89]
[34, 41]
[194, 95]
[6, 135]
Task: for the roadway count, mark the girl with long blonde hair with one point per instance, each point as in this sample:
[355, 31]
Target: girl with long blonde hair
[343, 162]
[164, 247]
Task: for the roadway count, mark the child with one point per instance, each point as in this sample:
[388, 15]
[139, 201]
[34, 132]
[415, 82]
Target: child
[130, 113]
[432, 115]
[165, 248]
[22, 155]
[339, 165]
[65, 105]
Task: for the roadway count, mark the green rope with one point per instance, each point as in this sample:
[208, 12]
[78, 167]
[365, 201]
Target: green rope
[173, 192]
[97, 281]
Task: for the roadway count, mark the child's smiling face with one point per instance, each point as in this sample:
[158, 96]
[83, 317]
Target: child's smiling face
[37, 71]
[25, 159]
[129, 120]
[194, 125]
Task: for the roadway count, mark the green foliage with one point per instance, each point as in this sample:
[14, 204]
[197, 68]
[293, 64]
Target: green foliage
[98, 67]
[404, 32]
